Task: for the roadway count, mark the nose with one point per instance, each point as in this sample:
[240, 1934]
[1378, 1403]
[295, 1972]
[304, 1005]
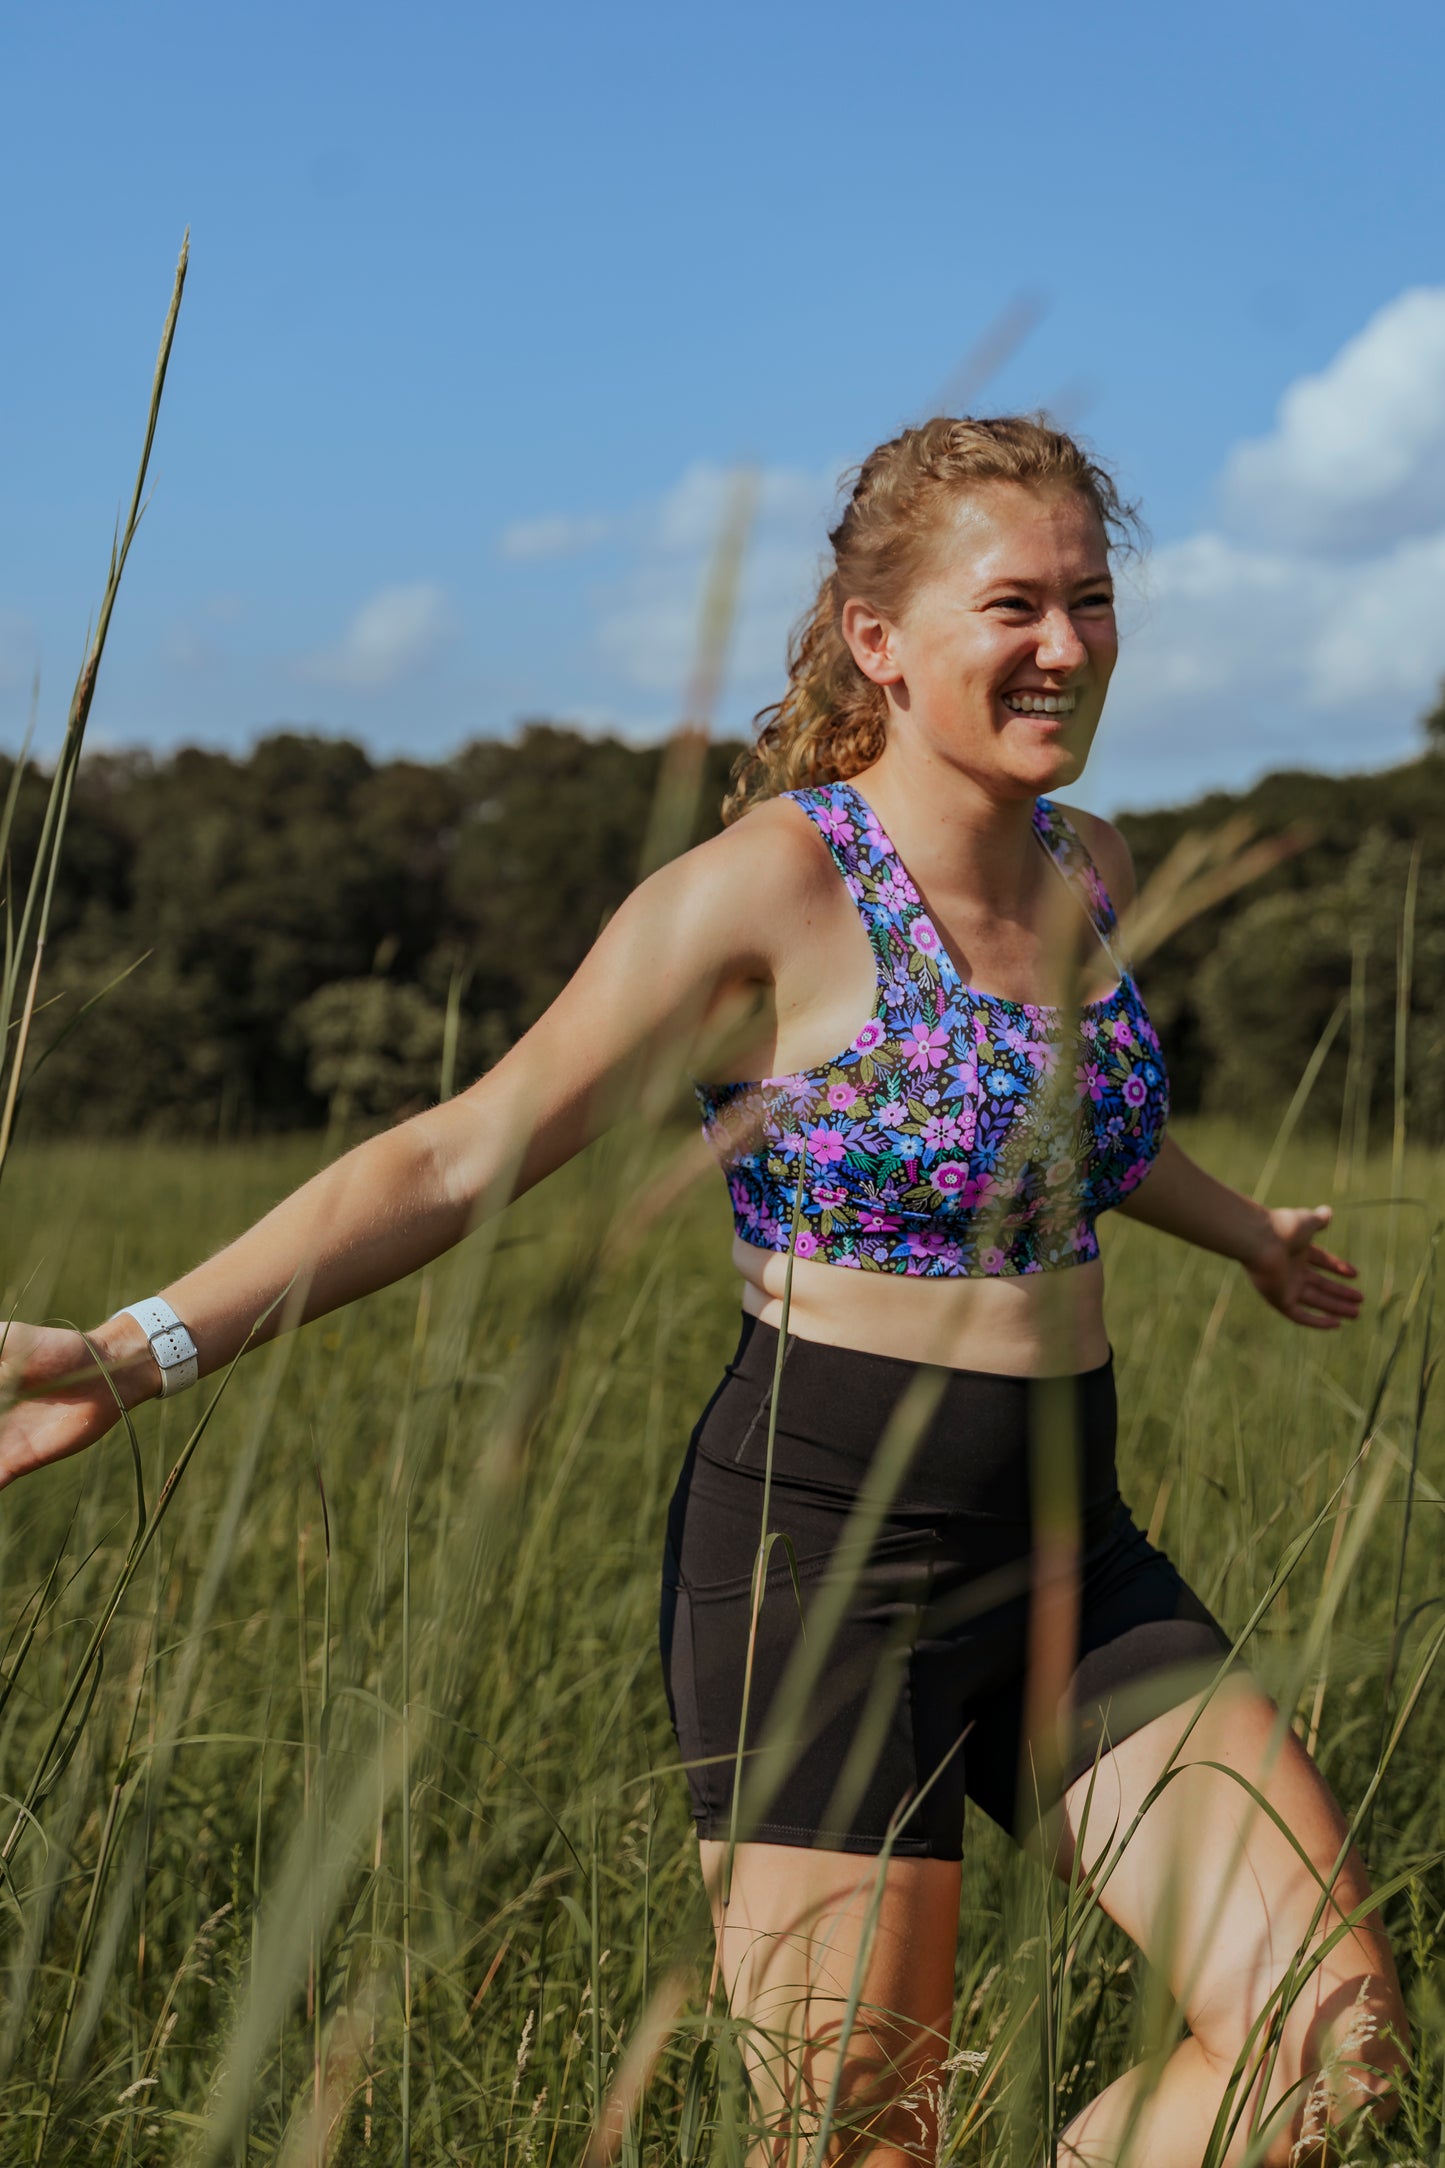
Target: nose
[1060, 647]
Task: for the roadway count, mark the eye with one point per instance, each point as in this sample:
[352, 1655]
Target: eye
[1101, 599]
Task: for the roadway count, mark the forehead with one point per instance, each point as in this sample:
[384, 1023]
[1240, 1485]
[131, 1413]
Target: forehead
[1015, 530]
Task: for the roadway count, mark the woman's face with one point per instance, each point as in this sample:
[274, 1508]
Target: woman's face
[1000, 660]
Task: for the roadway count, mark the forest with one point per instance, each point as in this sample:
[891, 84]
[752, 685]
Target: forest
[263, 943]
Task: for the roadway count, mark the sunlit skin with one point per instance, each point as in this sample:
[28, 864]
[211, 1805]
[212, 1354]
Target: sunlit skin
[1017, 600]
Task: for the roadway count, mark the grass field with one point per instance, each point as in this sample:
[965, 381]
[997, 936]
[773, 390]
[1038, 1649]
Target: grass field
[371, 1776]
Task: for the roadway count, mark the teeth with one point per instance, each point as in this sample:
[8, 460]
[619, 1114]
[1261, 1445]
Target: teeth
[1040, 703]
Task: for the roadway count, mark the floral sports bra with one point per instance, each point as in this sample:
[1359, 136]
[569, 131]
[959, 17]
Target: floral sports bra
[961, 1135]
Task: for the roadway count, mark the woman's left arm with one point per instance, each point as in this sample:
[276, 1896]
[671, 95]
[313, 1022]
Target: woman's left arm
[1307, 1284]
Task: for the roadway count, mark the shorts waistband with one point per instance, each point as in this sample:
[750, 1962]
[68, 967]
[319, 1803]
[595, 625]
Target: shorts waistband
[984, 1437]
[757, 1345]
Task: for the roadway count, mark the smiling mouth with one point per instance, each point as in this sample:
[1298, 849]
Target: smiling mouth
[1041, 703]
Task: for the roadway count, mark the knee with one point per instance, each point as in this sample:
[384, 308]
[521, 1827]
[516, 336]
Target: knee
[1338, 2065]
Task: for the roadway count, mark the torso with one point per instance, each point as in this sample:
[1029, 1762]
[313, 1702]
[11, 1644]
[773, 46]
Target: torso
[1021, 1320]
[1048, 1325]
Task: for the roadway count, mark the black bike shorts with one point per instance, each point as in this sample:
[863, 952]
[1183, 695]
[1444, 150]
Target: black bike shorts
[915, 1646]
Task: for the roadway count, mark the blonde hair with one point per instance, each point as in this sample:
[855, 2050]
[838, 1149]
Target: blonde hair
[831, 722]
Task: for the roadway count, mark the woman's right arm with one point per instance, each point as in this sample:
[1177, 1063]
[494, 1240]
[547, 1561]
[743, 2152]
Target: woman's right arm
[686, 943]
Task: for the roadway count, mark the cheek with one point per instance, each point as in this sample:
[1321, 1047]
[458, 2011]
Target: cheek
[986, 662]
[1103, 645]
[956, 670]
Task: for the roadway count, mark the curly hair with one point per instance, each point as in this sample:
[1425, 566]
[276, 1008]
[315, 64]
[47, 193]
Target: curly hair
[832, 721]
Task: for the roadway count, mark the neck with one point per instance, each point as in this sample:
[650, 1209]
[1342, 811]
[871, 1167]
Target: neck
[950, 828]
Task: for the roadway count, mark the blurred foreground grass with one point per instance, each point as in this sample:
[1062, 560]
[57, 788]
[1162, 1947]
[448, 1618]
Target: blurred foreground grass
[374, 1781]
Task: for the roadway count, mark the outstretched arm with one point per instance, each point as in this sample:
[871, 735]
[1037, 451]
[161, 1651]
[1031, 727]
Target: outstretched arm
[1306, 1284]
[683, 944]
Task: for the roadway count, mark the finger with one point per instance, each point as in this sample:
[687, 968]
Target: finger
[1322, 1278]
[1315, 1287]
[1324, 1306]
[1309, 1217]
[1328, 1261]
[1316, 1306]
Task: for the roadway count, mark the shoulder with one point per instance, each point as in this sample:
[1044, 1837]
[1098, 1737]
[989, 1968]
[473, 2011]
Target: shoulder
[777, 845]
[744, 887]
[774, 852]
[1108, 849]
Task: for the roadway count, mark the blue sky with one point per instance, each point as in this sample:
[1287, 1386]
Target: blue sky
[485, 306]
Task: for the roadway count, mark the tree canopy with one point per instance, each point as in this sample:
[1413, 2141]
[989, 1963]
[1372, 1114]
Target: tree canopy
[305, 930]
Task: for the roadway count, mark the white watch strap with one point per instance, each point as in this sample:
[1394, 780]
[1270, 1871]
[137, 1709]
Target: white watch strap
[171, 1344]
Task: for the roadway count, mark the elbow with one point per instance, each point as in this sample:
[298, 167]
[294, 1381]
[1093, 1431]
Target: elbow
[448, 1162]
[489, 1143]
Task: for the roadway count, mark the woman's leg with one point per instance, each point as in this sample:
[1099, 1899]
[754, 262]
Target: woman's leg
[1222, 1903]
[799, 1939]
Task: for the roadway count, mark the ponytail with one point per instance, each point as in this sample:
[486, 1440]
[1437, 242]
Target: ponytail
[831, 722]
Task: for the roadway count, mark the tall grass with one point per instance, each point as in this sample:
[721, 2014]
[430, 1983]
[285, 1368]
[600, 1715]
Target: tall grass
[341, 1818]
[27, 918]
[363, 1838]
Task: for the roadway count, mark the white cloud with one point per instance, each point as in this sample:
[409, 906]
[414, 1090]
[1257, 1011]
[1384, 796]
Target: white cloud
[1312, 633]
[563, 534]
[396, 631]
[1239, 653]
[650, 622]
[1357, 457]
[1238, 657]
[1307, 629]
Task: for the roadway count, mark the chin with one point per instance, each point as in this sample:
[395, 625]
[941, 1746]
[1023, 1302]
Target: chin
[1053, 768]
[1067, 767]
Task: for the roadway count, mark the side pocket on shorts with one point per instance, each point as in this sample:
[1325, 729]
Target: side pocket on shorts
[759, 1415]
[679, 1678]
[667, 1624]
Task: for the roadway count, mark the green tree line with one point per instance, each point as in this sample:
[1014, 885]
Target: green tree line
[306, 931]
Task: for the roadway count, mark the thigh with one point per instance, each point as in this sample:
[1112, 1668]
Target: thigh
[839, 1966]
[826, 1668]
[1221, 1898]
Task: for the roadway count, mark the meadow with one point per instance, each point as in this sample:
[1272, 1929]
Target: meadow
[342, 1818]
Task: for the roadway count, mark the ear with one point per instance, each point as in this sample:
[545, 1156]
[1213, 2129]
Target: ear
[870, 642]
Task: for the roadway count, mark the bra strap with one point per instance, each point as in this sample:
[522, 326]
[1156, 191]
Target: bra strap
[1069, 852]
[862, 854]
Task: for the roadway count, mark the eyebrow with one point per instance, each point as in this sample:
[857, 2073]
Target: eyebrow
[1010, 585]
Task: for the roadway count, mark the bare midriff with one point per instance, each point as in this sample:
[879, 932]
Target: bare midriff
[1037, 1324]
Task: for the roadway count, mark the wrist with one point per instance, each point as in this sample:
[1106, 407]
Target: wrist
[1257, 1236]
[125, 1355]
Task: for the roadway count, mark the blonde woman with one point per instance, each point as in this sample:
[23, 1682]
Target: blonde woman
[945, 1075]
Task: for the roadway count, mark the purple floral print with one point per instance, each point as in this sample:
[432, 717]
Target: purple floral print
[960, 1134]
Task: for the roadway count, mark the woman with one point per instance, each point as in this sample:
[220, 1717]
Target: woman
[926, 1196]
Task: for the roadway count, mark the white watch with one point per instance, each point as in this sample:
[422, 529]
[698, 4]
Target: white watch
[171, 1344]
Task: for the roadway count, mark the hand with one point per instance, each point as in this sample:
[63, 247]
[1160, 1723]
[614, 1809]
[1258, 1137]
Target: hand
[53, 1400]
[1298, 1278]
